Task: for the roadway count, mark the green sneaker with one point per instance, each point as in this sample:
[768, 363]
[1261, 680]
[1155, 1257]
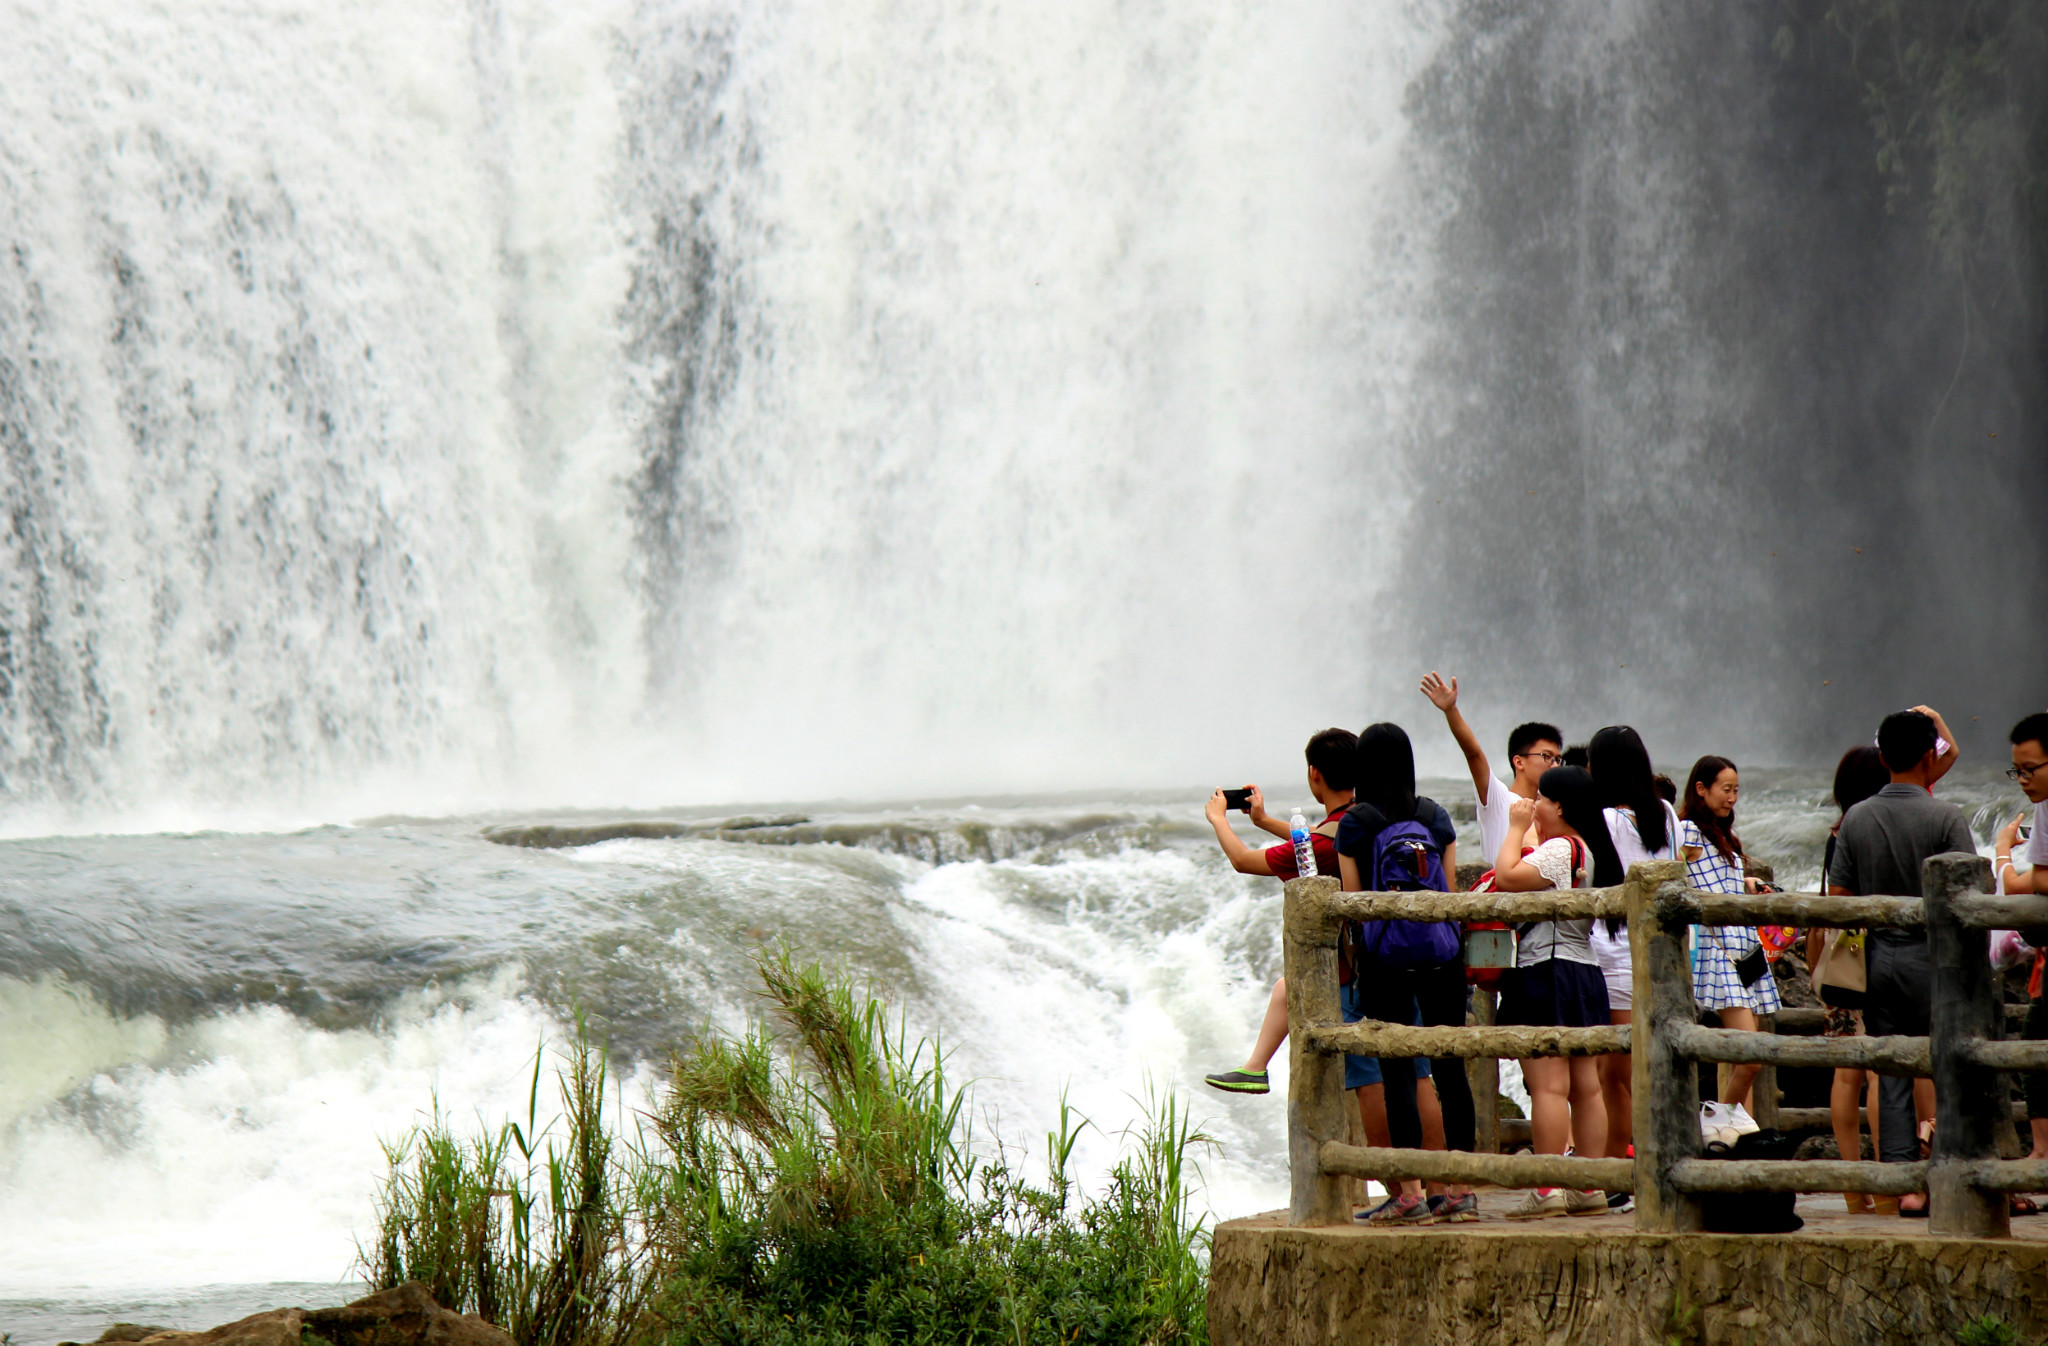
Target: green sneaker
[1239, 1082]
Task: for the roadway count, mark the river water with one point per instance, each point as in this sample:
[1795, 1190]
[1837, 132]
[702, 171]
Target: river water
[204, 1037]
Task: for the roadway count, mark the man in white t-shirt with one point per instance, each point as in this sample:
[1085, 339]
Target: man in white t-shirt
[1533, 749]
[2030, 769]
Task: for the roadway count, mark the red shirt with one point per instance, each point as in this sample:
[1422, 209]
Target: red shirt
[1281, 858]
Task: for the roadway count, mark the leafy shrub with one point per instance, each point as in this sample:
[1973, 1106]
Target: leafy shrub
[812, 1181]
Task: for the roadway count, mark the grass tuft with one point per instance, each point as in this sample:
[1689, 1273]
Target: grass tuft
[811, 1181]
[1990, 1330]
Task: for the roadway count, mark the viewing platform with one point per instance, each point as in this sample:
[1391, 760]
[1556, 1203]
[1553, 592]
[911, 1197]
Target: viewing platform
[1596, 1281]
[1665, 1272]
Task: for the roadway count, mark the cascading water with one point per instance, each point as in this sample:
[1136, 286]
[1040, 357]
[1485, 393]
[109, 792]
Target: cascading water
[527, 405]
[410, 409]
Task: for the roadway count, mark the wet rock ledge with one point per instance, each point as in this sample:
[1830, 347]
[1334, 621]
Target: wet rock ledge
[405, 1316]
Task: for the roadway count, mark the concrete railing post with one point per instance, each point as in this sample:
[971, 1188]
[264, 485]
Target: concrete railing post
[1963, 1008]
[1315, 1087]
[1667, 1101]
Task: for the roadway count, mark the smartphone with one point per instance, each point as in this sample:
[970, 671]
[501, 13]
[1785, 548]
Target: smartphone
[2026, 831]
[1241, 800]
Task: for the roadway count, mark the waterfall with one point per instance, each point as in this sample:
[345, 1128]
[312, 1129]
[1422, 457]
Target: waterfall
[515, 403]
[414, 409]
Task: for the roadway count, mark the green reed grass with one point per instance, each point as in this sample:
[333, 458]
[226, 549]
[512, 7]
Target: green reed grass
[813, 1181]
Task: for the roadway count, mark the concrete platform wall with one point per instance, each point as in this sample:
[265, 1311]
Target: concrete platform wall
[1552, 1282]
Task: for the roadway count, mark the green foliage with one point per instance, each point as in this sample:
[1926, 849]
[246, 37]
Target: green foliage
[523, 1227]
[812, 1181]
[1681, 1321]
[1990, 1330]
[1958, 109]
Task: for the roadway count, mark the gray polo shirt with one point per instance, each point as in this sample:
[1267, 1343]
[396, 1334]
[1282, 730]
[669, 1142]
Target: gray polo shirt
[1885, 839]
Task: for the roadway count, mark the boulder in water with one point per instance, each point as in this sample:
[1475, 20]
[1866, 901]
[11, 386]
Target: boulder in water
[275, 1327]
[405, 1315]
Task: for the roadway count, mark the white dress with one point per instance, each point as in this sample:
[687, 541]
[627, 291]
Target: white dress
[1612, 950]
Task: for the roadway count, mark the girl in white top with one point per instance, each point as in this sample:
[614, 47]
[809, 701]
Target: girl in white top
[1556, 980]
[1642, 827]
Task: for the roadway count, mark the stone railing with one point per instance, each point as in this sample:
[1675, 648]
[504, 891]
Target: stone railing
[1965, 1051]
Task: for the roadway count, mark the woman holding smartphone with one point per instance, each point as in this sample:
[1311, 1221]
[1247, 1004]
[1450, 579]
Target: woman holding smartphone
[1730, 974]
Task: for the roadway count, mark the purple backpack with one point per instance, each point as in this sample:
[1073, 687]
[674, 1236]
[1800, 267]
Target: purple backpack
[1405, 859]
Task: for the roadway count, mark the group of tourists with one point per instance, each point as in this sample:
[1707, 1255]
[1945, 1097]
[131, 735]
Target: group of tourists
[1578, 817]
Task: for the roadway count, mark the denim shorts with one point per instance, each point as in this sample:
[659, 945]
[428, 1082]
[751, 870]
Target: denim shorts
[1360, 1071]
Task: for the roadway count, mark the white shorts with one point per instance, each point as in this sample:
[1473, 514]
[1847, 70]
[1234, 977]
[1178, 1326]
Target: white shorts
[1615, 967]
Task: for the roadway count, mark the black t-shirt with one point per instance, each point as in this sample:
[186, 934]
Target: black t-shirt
[1363, 824]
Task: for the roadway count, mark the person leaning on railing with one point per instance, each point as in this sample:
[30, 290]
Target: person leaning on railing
[1643, 828]
[1393, 839]
[1556, 980]
[1883, 843]
[1835, 958]
[2029, 770]
[1332, 757]
[1731, 977]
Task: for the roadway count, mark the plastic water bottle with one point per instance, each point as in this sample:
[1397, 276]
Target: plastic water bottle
[1304, 849]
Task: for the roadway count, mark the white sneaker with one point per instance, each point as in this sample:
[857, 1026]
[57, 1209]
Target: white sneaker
[1717, 1125]
[1743, 1123]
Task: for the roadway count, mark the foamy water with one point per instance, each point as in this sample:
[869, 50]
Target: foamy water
[203, 1039]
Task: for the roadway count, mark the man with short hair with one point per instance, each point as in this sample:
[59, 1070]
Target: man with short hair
[1533, 749]
[1332, 758]
[1879, 851]
[2029, 770]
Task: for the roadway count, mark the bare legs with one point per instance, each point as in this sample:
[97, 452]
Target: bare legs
[1566, 1105]
[1272, 1032]
[1851, 1087]
[1372, 1115]
[1617, 1094]
[1741, 1077]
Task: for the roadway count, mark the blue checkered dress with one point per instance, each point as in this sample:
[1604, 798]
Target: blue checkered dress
[1715, 983]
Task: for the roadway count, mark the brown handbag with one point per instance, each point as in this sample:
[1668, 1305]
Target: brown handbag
[1840, 978]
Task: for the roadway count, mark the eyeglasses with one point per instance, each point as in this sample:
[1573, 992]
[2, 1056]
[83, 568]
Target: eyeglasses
[2024, 773]
[1557, 759]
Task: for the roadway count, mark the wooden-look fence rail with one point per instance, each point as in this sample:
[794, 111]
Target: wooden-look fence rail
[1964, 1051]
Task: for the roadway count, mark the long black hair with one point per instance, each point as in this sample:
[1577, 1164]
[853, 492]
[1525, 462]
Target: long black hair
[1386, 771]
[1625, 779]
[1571, 789]
[1860, 774]
[1716, 829]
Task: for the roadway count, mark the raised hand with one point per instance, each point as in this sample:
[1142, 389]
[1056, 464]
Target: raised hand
[1442, 695]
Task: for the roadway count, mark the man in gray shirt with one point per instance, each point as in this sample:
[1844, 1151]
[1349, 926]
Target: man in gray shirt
[1882, 844]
